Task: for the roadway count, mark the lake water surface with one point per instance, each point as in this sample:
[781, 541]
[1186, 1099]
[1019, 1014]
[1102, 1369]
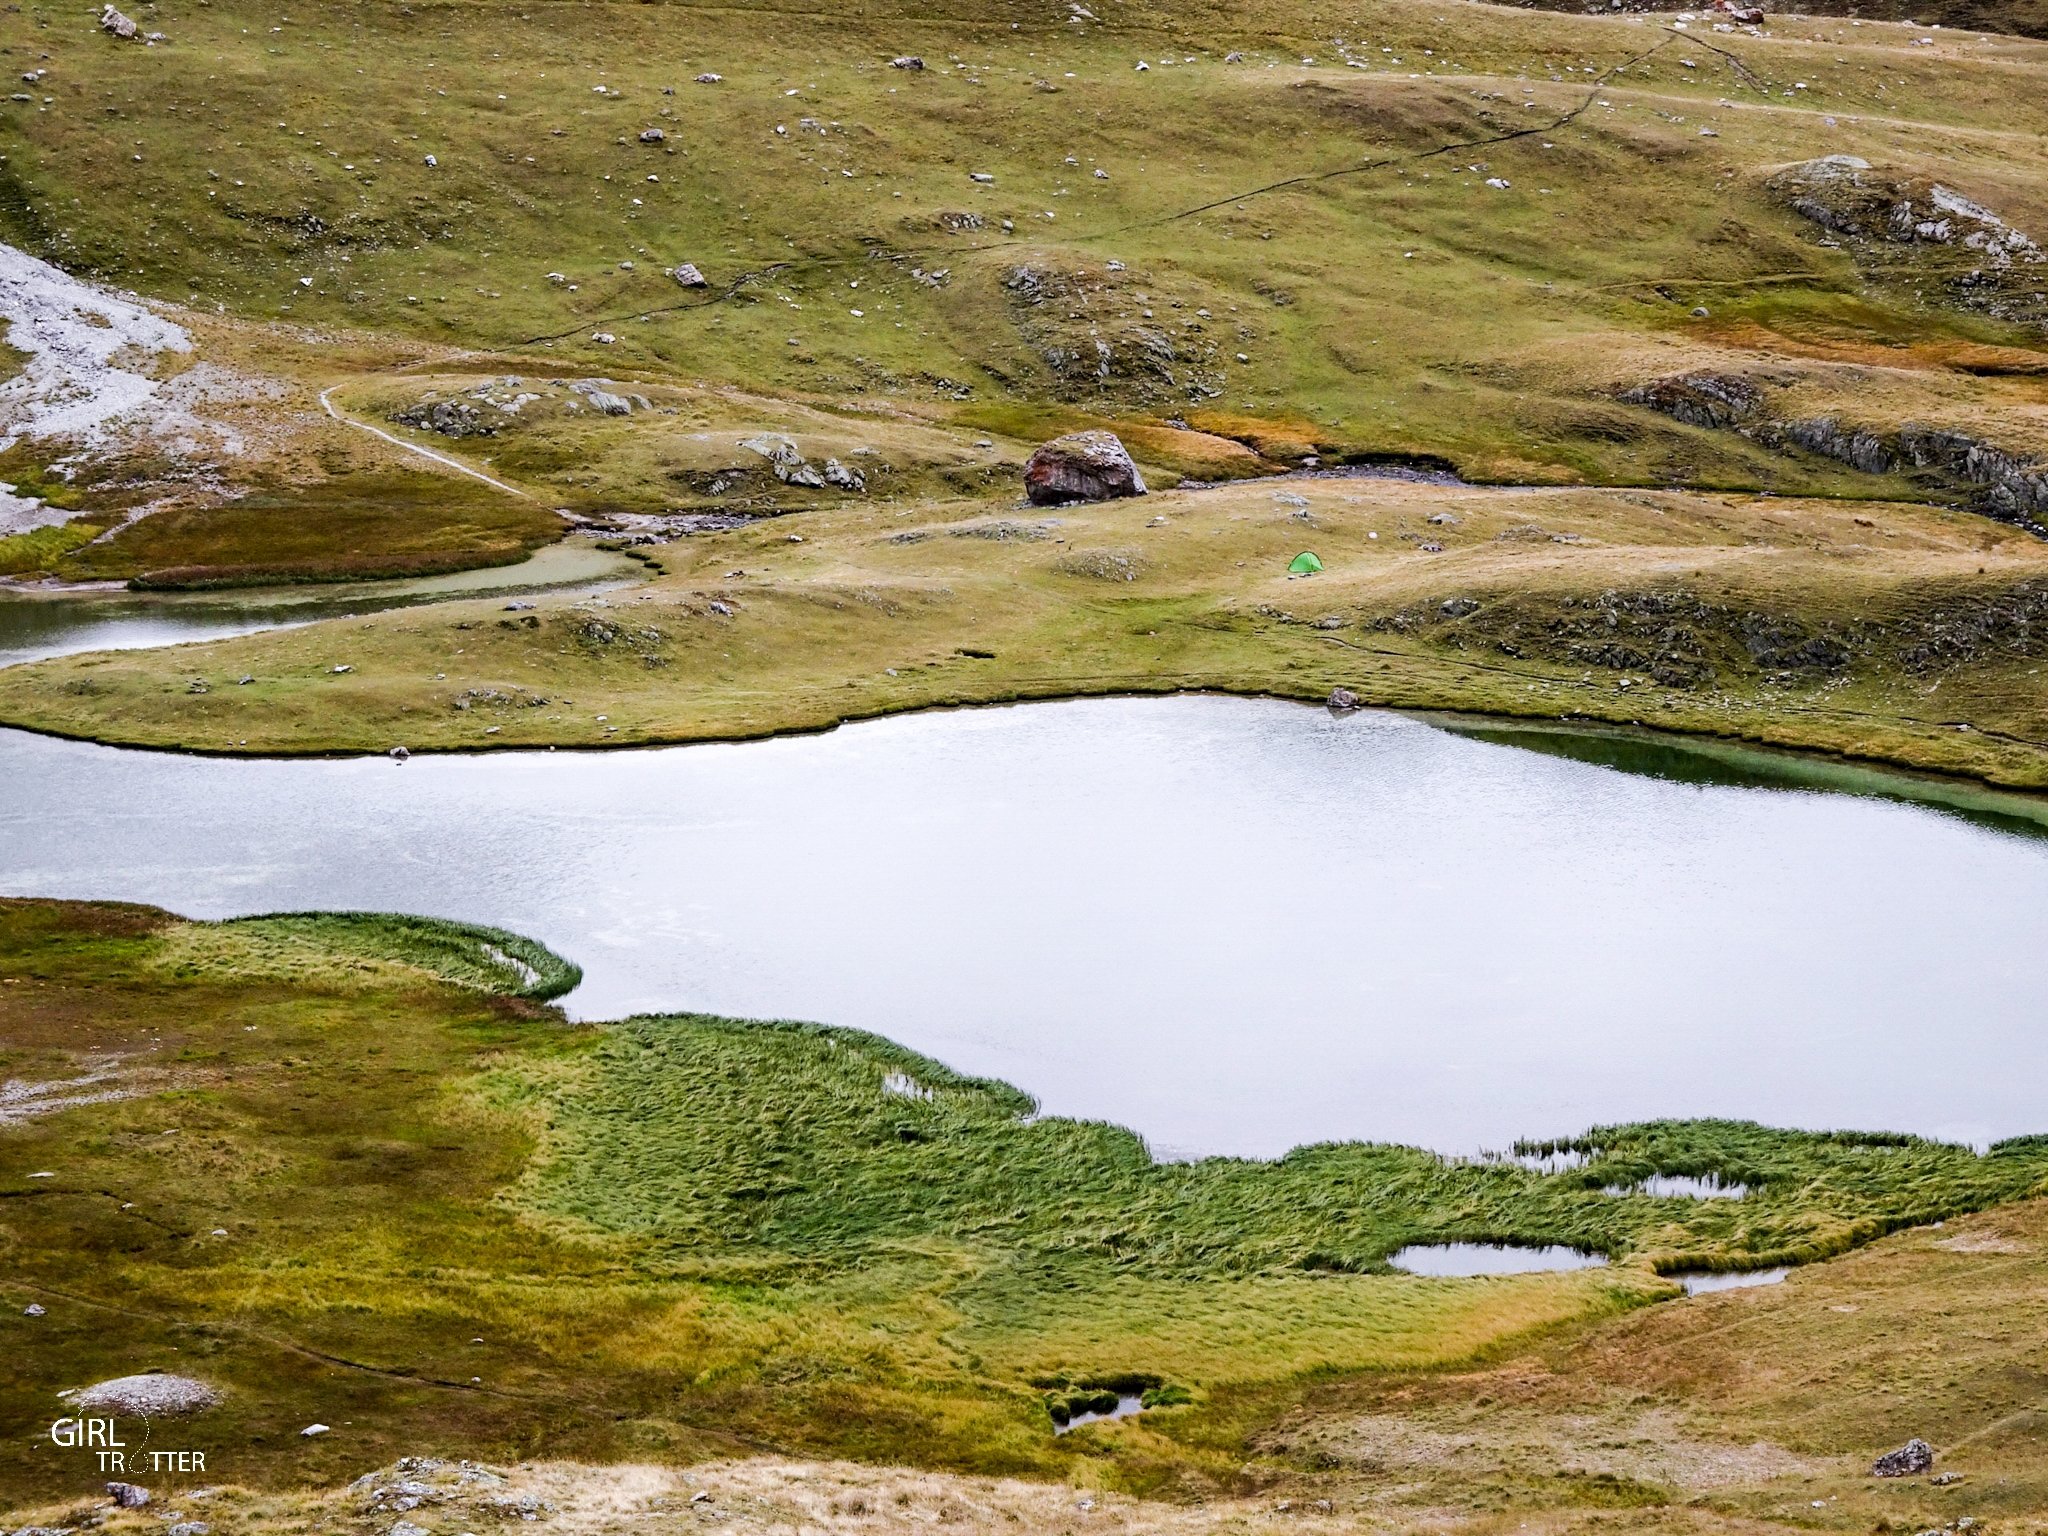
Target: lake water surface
[1235, 926]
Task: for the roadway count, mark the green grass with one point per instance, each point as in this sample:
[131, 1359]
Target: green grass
[40, 549]
[345, 528]
[347, 1151]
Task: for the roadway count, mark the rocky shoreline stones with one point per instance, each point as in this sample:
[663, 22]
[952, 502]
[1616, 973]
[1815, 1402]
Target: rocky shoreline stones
[1082, 466]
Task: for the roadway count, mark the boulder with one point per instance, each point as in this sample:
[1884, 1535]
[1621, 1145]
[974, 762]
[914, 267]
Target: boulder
[128, 1495]
[1342, 699]
[906, 61]
[652, 136]
[114, 22]
[1909, 1460]
[1082, 466]
[688, 275]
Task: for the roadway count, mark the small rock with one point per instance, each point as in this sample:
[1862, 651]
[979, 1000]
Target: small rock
[198, 685]
[1342, 699]
[430, 160]
[120, 26]
[128, 1495]
[313, 1429]
[844, 476]
[708, 78]
[1909, 1460]
[906, 61]
[407, 1528]
[518, 607]
[244, 680]
[1946, 1480]
[981, 176]
[189, 1528]
[1700, 312]
[700, 1496]
[398, 754]
[653, 136]
[33, 1309]
[1082, 466]
[337, 671]
[688, 275]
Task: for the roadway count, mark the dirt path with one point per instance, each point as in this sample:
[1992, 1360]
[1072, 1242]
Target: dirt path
[443, 459]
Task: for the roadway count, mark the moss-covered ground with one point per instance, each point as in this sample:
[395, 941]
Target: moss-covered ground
[338, 1166]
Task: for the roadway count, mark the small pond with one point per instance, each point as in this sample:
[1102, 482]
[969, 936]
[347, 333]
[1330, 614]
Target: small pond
[1443, 1260]
[1734, 1280]
[1233, 925]
[36, 624]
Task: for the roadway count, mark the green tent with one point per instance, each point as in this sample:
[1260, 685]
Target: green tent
[1305, 564]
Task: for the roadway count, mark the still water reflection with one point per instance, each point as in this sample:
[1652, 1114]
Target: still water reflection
[1235, 926]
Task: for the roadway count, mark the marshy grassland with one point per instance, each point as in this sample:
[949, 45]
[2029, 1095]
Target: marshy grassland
[1442, 235]
[342, 1168]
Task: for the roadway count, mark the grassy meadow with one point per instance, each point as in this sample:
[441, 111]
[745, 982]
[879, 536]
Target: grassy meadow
[351, 1171]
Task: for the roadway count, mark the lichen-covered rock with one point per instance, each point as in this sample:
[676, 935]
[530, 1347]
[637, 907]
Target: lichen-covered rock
[1082, 466]
[1909, 1460]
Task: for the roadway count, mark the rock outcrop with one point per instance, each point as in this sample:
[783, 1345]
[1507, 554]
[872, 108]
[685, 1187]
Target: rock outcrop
[1082, 466]
[154, 1395]
[1909, 1460]
[2001, 483]
[1919, 236]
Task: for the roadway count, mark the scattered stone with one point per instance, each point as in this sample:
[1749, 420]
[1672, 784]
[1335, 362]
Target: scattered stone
[981, 176]
[407, 1528]
[786, 461]
[906, 61]
[1909, 1460]
[707, 78]
[128, 1495]
[33, 1309]
[602, 400]
[1458, 607]
[653, 136]
[844, 476]
[114, 22]
[198, 685]
[1082, 466]
[431, 160]
[688, 275]
[189, 1528]
[1342, 699]
[448, 418]
[1946, 1480]
[313, 1429]
[153, 1395]
[398, 754]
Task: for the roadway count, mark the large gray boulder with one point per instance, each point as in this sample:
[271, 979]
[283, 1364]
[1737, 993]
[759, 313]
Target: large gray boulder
[1082, 466]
